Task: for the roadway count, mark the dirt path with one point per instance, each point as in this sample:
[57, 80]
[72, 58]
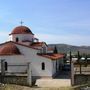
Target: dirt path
[18, 87]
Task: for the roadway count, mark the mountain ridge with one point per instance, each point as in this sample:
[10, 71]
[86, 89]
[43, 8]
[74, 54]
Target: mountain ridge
[66, 48]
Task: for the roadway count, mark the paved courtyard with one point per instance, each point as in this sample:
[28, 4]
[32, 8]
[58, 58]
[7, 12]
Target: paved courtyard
[61, 80]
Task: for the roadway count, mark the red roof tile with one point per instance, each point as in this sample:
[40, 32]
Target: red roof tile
[52, 56]
[50, 49]
[9, 49]
[35, 44]
[21, 30]
[19, 44]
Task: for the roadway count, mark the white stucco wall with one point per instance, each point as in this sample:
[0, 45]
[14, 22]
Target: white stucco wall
[37, 69]
[14, 60]
[30, 55]
[53, 67]
[21, 37]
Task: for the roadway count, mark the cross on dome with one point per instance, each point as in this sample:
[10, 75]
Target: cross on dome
[21, 22]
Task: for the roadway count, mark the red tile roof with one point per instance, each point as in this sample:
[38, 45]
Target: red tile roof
[9, 49]
[52, 56]
[19, 44]
[21, 30]
[37, 44]
[50, 49]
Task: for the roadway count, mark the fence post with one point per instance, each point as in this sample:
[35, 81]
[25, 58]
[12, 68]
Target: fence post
[29, 77]
[79, 62]
[72, 73]
[2, 70]
[70, 59]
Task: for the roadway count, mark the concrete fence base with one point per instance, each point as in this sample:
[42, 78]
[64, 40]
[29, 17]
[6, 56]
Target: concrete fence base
[19, 80]
[81, 79]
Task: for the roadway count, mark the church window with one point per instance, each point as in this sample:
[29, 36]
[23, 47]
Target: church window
[6, 66]
[17, 39]
[43, 66]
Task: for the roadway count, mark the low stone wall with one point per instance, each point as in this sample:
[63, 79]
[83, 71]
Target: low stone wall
[81, 79]
[19, 80]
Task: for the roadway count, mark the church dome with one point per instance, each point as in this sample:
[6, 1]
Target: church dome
[9, 49]
[21, 30]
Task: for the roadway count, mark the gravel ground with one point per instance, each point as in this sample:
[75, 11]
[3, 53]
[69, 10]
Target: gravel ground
[18, 87]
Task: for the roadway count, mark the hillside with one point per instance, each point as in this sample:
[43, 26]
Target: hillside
[65, 48]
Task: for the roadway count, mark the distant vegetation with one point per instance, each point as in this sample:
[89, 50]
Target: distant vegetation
[64, 48]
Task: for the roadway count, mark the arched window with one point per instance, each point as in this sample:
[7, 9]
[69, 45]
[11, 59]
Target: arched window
[6, 65]
[43, 66]
[17, 39]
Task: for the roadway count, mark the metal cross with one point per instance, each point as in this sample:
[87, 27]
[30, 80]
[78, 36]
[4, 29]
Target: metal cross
[21, 22]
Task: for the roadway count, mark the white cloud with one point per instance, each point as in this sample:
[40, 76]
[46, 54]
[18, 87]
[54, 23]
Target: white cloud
[81, 24]
[4, 36]
[67, 39]
[53, 38]
[3, 33]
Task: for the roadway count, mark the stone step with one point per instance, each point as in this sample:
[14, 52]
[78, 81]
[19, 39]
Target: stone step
[53, 82]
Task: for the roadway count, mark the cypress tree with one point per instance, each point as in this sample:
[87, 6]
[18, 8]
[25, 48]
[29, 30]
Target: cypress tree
[55, 50]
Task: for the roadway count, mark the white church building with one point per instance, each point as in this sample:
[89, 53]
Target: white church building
[24, 48]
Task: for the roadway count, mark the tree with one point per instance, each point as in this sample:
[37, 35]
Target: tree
[55, 50]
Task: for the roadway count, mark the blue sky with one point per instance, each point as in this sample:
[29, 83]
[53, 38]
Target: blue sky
[53, 21]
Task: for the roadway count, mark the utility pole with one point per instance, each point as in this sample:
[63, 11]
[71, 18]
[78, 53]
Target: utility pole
[79, 62]
[72, 69]
[86, 62]
[72, 73]
[70, 59]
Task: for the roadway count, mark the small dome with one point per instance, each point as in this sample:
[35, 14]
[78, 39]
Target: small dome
[21, 30]
[9, 49]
